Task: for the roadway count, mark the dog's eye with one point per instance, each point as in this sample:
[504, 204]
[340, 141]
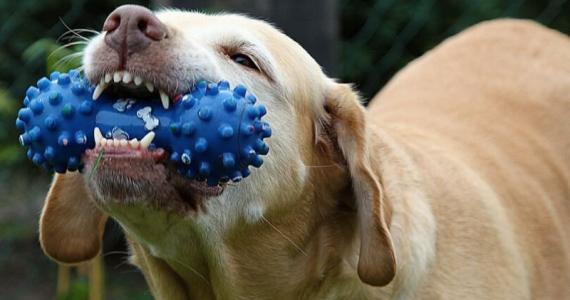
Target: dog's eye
[244, 60]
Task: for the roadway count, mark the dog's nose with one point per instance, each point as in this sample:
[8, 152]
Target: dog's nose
[132, 28]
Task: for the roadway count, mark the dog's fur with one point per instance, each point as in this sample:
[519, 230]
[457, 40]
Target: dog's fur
[453, 184]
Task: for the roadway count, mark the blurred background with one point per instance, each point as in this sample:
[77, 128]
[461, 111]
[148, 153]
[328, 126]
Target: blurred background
[360, 41]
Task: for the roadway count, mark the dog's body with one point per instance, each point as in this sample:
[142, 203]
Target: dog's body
[483, 124]
[455, 184]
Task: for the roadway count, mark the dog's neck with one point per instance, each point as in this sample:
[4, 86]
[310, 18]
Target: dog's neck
[294, 248]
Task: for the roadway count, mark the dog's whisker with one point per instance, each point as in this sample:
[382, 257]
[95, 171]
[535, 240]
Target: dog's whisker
[115, 252]
[284, 236]
[73, 31]
[67, 46]
[192, 269]
[67, 58]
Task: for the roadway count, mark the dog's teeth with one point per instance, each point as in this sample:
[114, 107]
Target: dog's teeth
[123, 143]
[108, 77]
[97, 135]
[147, 139]
[149, 86]
[127, 77]
[116, 142]
[99, 89]
[103, 141]
[134, 143]
[117, 77]
[138, 80]
[164, 99]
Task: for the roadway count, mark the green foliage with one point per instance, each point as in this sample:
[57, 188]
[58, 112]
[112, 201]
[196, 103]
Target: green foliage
[78, 290]
[35, 40]
[379, 37]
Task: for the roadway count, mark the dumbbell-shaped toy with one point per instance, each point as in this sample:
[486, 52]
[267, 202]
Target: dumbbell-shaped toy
[212, 133]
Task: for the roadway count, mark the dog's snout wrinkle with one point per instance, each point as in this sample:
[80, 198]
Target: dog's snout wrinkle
[132, 28]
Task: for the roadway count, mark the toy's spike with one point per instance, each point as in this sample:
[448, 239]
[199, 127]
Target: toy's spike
[225, 131]
[204, 169]
[212, 90]
[175, 128]
[44, 84]
[20, 125]
[38, 159]
[247, 129]
[188, 128]
[54, 75]
[257, 161]
[67, 111]
[51, 122]
[262, 110]
[201, 145]
[63, 80]
[188, 101]
[86, 107]
[245, 172]
[54, 98]
[205, 113]
[175, 156]
[32, 92]
[63, 139]
[230, 104]
[30, 153]
[80, 137]
[236, 176]
[223, 85]
[25, 114]
[35, 134]
[240, 91]
[49, 153]
[73, 163]
[77, 88]
[36, 106]
[229, 160]
[252, 112]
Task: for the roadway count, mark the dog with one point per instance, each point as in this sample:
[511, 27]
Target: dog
[453, 184]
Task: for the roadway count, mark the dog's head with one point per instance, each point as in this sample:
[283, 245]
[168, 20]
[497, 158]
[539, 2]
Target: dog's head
[319, 148]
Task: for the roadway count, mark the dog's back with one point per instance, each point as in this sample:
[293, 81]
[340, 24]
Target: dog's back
[486, 116]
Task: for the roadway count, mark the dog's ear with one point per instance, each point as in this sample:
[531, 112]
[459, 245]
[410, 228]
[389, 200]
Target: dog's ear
[71, 227]
[348, 136]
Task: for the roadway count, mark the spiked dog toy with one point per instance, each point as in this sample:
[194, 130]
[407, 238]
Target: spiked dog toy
[212, 133]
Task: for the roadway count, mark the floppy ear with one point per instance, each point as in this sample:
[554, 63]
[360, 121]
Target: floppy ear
[71, 227]
[348, 133]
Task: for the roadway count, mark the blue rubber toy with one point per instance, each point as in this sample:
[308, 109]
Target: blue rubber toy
[212, 133]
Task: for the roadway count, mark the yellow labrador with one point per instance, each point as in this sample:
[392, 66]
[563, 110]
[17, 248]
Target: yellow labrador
[454, 184]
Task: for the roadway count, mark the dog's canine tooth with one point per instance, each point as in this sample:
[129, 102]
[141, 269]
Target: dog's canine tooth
[149, 86]
[138, 80]
[99, 89]
[103, 141]
[127, 77]
[108, 77]
[164, 99]
[147, 139]
[97, 135]
[117, 77]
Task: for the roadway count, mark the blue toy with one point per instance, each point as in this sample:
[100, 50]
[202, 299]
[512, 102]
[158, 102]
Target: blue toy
[212, 133]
